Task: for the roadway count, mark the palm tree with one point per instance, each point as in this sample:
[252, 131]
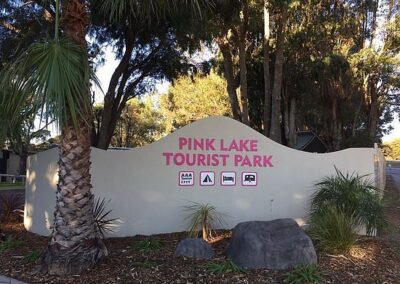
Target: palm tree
[57, 72]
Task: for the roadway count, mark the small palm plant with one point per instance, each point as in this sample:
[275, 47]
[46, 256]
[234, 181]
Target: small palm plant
[202, 218]
[353, 195]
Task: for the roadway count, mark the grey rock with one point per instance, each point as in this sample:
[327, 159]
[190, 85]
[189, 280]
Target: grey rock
[278, 244]
[194, 248]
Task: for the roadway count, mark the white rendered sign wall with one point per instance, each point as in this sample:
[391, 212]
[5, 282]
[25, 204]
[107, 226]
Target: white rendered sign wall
[216, 160]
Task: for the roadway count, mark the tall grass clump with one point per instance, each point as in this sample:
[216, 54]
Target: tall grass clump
[354, 196]
[333, 231]
[202, 218]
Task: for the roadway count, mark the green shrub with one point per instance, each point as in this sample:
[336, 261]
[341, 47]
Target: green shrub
[333, 231]
[202, 218]
[149, 244]
[303, 274]
[32, 257]
[10, 243]
[352, 194]
[225, 267]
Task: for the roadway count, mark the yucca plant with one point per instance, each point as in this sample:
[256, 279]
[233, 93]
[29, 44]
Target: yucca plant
[333, 230]
[354, 195]
[202, 218]
[101, 216]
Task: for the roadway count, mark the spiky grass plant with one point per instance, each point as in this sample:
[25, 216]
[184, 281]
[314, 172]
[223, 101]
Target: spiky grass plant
[202, 218]
[333, 231]
[354, 195]
[224, 267]
[11, 206]
[10, 243]
[303, 274]
[150, 244]
[104, 224]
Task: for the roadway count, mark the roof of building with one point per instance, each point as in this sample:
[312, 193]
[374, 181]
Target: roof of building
[304, 138]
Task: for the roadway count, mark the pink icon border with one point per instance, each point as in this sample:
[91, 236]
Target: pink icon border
[249, 184]
[179, 179]
[227, 184]
[206, 184]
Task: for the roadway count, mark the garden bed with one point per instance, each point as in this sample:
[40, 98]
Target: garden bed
[371, 261]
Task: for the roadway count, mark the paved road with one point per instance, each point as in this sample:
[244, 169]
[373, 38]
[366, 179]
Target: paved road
[6, 280]
[394, 174]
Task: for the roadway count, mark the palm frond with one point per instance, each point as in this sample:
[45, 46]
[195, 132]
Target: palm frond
[56, 74]
[145, 10]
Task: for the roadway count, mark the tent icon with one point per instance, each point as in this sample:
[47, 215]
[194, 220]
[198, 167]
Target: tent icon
[207, 179]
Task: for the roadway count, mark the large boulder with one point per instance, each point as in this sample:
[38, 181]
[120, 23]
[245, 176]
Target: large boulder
[194, 248]
[278, 244]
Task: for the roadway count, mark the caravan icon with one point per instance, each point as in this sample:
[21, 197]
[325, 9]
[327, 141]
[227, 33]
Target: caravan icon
[249, 179]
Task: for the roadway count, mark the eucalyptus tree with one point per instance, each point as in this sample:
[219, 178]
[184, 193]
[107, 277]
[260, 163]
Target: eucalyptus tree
[57, 72]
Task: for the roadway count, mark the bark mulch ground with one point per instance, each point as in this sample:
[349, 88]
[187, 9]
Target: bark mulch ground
[373, 260]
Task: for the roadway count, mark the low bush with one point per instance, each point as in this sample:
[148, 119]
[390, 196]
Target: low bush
[224, 267]
[303, 274]
[333, 231]
[202, 218]
[150, 244]
[353, 195]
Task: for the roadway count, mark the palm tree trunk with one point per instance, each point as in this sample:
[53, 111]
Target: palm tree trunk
[75, 241]
[275, 131]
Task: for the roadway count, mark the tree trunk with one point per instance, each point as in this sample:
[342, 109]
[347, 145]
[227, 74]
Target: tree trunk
[275, 131]
[267, 82]
[373, 114]
[110, 104]
[23, 156]
[230, 81]
[292, 123]
[75, 243]
[242, 63]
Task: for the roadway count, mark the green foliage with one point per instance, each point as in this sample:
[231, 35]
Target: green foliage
[150, 244]
[303, 274]
[103, 222]
[225, 267]
[192, 98]
[32, 257]
[353, 195]
[333, 230]
[10, 243]
[140, 124]
[202, 218]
